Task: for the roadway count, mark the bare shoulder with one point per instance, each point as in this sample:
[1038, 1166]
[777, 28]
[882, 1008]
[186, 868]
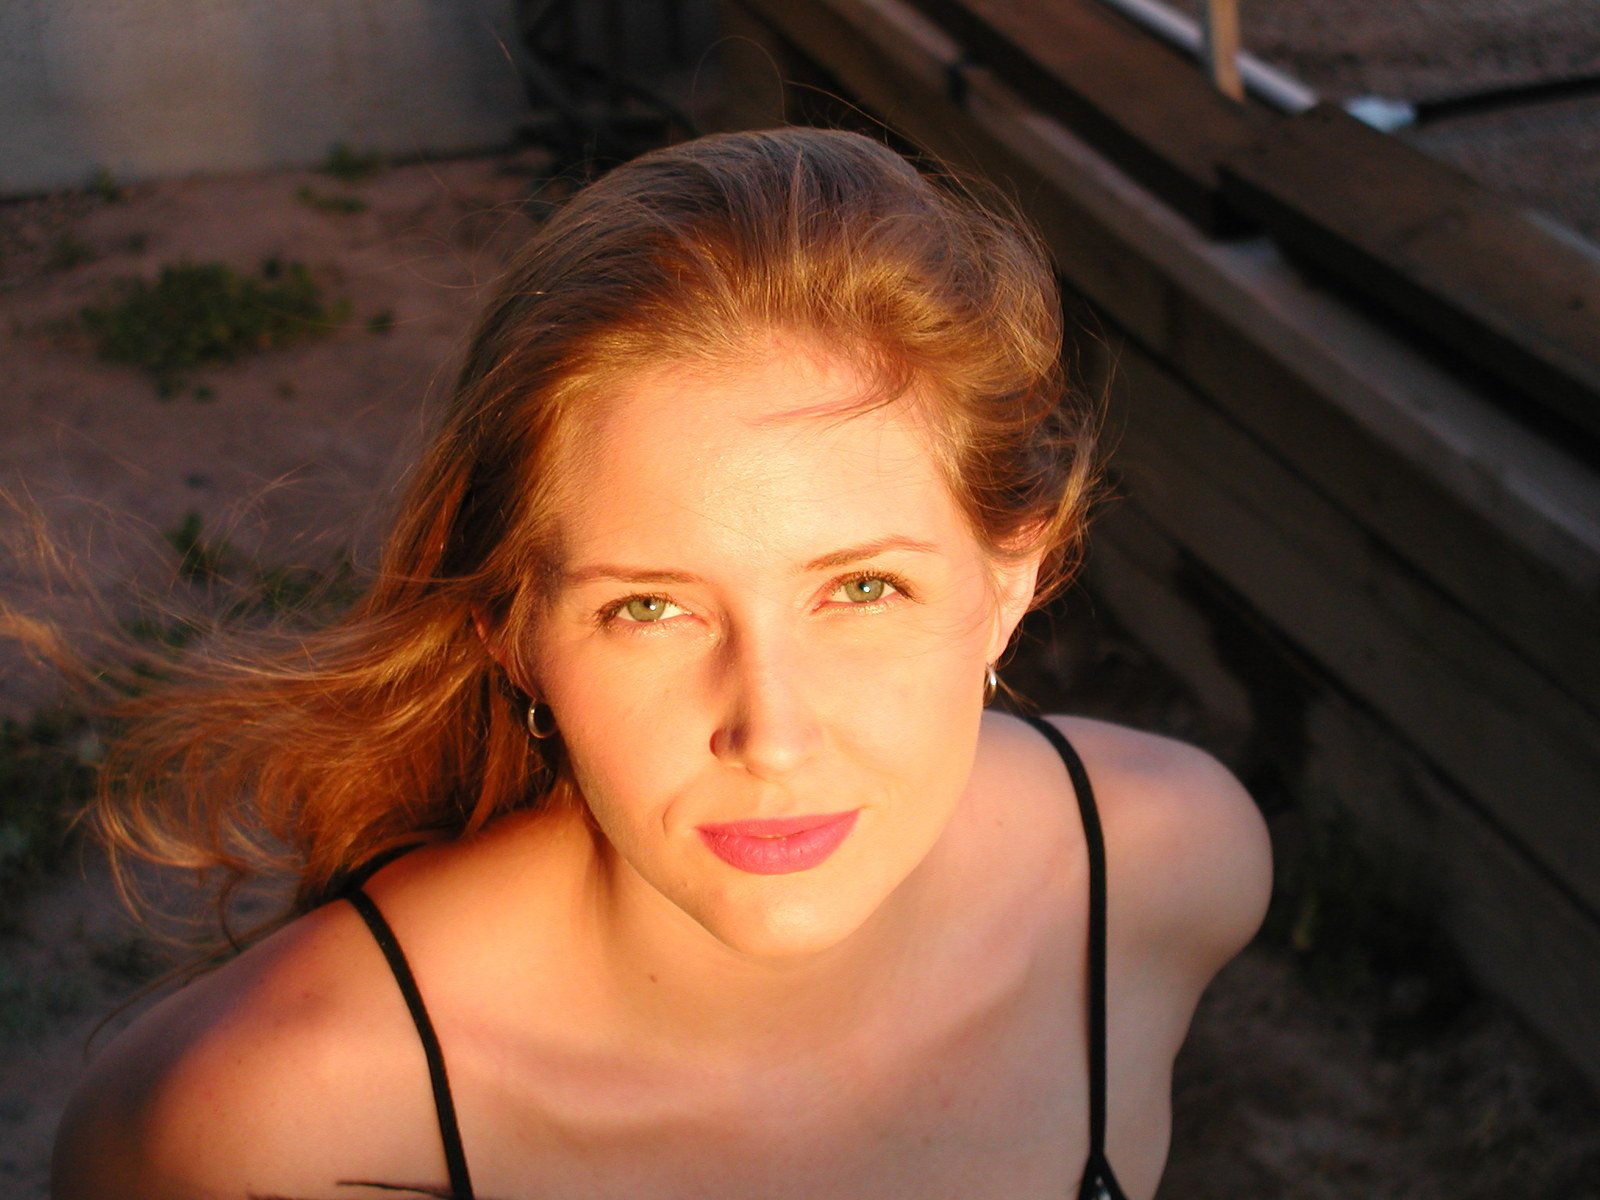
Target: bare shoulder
[1188, 860]
[252, 1080]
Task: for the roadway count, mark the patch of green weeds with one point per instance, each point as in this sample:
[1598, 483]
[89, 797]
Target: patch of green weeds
[47, 772]
[49, 765]
[198, 313]
[381, 322]
[329, 203]
[348, 165]
[1359, 923]
[104, 186]
[130, 960]
[67, 252]
[169, 635]
[29, 1009]
[199, 557]
[254, 589]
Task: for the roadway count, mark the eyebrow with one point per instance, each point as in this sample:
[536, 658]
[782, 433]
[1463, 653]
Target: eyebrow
[850, 554]
[834, 558]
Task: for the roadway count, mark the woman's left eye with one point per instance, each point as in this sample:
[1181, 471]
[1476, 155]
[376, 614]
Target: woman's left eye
[645, 610]
[864, 589]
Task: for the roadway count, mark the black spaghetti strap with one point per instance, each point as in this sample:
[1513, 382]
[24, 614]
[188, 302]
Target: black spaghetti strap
[1099, 1181]
[455, 1156]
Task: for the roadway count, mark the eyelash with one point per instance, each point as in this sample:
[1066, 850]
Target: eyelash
[899, 585]
[607, 615]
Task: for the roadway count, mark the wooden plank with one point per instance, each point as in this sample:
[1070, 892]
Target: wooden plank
[1448, 684]
[1498, 568]
[1437, 249]
[1521, 936]
[1144, 105]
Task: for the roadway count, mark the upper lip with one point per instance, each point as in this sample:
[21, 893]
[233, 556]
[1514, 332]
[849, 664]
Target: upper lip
[774, 827]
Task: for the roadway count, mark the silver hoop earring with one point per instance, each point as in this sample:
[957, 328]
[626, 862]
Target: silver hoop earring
[991, 684]
[541, 721]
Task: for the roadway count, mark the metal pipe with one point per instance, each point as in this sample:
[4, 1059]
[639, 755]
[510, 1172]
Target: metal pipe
[1261, 80]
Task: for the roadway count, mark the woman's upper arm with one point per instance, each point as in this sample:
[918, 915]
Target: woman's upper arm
[1210, 848]
[1189, 862]
[133, 1129]
[220, 1121]
[247, 1081]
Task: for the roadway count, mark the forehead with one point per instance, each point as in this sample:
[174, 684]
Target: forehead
[781, 455]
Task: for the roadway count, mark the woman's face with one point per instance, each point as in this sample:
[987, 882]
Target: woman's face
[765, 646]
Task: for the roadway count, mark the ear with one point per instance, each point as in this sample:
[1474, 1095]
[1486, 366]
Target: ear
[1014, 584]
[492, 645]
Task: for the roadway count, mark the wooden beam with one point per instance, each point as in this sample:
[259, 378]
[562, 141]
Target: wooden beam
[1437, 250]
[1143, 104]
[1446, 683]
[1516, 931]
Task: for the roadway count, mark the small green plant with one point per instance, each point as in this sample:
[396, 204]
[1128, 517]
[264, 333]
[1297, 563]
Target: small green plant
[199, 558]
[251, 588]
[198, 313]
[300, 589]
[27, 1008]
[328, 203]
[1359, 922]
[103, 186]
[67, 252]
[167, 635]
[131, 959]
[47, 771]
[381, 322]
[349, 165]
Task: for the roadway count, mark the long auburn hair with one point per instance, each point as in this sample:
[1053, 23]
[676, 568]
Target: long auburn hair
[314, 755]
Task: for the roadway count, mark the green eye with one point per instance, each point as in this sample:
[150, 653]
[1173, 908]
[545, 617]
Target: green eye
[647, 608]
[867, 590]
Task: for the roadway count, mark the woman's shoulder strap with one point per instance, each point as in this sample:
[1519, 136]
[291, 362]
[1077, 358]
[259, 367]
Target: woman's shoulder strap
[449, 1132]
[1094, 841]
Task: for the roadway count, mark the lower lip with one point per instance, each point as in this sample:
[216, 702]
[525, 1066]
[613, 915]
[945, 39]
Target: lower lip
[779, 847]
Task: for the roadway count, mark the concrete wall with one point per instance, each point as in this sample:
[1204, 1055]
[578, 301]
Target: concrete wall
[150, 88]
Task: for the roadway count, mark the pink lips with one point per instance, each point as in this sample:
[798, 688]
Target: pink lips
[781, 845]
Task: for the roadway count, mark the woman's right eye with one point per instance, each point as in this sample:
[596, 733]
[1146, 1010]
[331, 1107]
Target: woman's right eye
[644, 610]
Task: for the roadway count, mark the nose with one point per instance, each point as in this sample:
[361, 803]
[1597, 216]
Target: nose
[769, 725]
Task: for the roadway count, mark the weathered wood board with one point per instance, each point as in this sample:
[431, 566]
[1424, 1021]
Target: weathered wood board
[1445, 682]
[1471, 269]
[1146, 107]
[1514, 928]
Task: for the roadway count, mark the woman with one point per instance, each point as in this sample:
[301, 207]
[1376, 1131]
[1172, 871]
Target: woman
[721, 881]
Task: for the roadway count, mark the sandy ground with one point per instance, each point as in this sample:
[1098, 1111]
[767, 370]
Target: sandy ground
[1281, 1091]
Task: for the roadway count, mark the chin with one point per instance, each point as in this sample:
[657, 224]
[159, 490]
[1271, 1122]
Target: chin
[788, 929]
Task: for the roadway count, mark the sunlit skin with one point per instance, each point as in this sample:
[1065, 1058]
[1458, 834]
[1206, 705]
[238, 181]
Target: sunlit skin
[764, 614]
[768, 605]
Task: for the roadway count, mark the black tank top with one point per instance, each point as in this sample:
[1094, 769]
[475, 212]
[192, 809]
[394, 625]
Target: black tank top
[1099, 1182]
